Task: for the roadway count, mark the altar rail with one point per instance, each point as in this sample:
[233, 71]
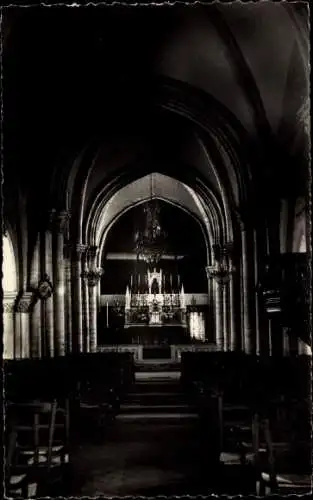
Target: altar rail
[176, 350]
[136, 350]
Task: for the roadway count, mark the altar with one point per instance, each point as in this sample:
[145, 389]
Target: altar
[151, 304]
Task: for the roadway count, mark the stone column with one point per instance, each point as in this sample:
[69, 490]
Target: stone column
[286, 350]
[36, 330]
[229, 296]
[8, 325]
[93, 277]
[48, 304]
[232, 326]
[22, 308]
[77, 315]
[35, 313]
[68, 298]
[257, 308]
[59, 284]
[225, 290]
[85, 298]
[249, 337]
[217, 287]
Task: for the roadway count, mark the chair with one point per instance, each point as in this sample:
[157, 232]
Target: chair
[37, 452]
[277, 474]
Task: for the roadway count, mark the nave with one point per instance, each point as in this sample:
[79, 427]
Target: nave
[204, 425]
[156, 205]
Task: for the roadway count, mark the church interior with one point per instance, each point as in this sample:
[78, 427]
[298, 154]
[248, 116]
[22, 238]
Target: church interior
[156, 250]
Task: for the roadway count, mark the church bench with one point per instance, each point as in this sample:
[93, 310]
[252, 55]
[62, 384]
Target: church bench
[248, 379]
[63, 379]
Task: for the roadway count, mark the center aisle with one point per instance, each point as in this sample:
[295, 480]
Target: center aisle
[152, 448]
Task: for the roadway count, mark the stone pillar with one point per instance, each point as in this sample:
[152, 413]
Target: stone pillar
[227, 251]
[247, 288]
[93, 277]
[48, 304]
[36, 330]
[35, 313]
[232, 326]
[213, 273]
[286, 350]
[8, 325]
[85, 298]
[68, 298]
[225, 290]
[257, 308]
[22, 309]
[44, 292]
[77, 315]
[59, 284]
[270, 338]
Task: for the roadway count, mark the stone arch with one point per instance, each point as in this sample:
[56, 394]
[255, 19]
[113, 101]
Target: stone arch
[103, 237]
[212, 214]
[212, 119]
[9, 265]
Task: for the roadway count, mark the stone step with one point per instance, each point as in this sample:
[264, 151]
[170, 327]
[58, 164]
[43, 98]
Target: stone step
[157, 376]
[162, 386]
[157, 365]
[164, 416]
[155, 399]
[135, 408]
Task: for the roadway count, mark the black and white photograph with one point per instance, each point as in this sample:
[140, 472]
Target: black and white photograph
[156, 249]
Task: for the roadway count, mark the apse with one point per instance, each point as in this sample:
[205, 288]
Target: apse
[184, 255]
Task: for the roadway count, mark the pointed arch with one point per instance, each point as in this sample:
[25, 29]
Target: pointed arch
[9, 267]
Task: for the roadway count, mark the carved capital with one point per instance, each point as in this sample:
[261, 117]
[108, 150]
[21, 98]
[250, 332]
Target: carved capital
[8, 307]
[92, 276]
[220, 274]
[24, 302]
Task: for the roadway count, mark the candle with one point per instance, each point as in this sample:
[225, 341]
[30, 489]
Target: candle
[131, 281]
[107, 314]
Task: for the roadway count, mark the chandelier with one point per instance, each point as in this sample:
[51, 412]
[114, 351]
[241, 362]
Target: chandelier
[150, 242]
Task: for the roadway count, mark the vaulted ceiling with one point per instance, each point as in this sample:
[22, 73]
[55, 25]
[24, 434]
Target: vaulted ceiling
[73, 73]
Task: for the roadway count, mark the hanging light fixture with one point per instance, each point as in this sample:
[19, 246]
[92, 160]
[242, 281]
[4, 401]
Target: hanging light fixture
[150, 242]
